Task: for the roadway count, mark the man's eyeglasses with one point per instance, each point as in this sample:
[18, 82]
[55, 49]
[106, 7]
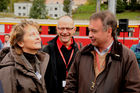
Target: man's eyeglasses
[67, 28]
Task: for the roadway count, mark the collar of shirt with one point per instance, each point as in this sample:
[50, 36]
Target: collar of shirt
[60, 44]
[104, 51]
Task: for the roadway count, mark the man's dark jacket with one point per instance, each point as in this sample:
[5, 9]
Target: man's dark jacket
[121, 73]
[51, 77]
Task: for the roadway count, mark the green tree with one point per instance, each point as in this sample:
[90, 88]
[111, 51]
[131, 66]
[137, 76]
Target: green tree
[67, 6]
[133, 4]
[4, 5]
[120, 6]
[38, 9]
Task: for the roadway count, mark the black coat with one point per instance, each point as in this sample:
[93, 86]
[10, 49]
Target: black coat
[53, 85]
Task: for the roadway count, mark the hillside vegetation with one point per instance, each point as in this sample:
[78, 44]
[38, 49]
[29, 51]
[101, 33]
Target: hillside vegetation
[83, 12]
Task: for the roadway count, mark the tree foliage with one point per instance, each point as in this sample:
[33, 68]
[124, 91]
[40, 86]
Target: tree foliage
[67, 6]
[4, 5]
[38, 9]
[133, 4]
[120, 6]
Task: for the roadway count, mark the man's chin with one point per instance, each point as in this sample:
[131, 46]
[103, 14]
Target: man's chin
[65, 41]
[93, 44]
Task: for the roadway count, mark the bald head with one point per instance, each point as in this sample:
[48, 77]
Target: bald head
[65, 20]
[65, 29]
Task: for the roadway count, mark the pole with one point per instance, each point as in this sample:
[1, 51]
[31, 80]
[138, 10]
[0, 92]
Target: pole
[98, 6]
[112, 6]
[11, 6]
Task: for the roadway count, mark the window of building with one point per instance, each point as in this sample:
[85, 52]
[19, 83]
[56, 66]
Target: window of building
[24, 7]
[19, 14]
[56, 15]
[24, 14]
[19, 7]
[55, 8]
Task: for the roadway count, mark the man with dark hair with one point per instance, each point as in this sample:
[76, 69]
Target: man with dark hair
[105, 65]
[62, 50]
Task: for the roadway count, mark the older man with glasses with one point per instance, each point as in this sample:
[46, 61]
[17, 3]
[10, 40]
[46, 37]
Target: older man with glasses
[62, 50]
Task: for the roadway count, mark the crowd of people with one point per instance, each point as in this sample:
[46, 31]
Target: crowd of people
[65, 66]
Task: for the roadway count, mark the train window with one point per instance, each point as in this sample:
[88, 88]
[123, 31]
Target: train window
[87, 31]
[2, 28]
[130, 32]
[40, 29]
[77, 31]
[52, 30]
[118, 32]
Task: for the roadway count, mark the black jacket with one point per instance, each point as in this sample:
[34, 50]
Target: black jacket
[53, 82]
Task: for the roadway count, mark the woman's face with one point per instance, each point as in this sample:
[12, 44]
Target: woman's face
[31, 40]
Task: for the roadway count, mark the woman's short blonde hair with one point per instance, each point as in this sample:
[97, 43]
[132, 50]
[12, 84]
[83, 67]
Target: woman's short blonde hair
[18, 32]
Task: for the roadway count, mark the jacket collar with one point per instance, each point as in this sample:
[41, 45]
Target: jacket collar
[60, 44]
[53, 42]
[115, 53]
[4, 52]
[10, 58]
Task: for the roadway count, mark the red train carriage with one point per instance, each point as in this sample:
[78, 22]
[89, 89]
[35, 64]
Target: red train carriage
[48, 31]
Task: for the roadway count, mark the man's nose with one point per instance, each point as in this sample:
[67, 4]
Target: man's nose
[90, 34]
[65, 30]
[37, 36]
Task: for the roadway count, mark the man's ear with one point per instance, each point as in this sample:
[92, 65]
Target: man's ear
[21, 44]
[109, 30]
[74, 29]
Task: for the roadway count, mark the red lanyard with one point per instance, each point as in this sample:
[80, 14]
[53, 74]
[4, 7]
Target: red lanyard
[64, 58]
[97, 59]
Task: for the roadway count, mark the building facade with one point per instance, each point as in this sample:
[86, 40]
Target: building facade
[55, 10]
[22, 9]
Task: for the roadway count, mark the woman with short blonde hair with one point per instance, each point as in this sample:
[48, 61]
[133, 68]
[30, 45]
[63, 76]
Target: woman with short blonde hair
[22, 66]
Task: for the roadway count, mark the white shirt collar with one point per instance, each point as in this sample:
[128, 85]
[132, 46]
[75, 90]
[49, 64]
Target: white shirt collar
[104, 51]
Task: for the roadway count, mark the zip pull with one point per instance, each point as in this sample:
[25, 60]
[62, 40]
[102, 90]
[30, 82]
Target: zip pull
[93, 85]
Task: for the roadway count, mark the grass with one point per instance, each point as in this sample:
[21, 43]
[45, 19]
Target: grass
[3, 14]
[129, 15]
[85, 11]
[82, 16]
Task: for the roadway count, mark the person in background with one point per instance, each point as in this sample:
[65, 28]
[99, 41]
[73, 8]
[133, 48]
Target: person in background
[136, 50]
[105, 65]
[22, 66]
[62, 50]
[6, 40]
[1, 45]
